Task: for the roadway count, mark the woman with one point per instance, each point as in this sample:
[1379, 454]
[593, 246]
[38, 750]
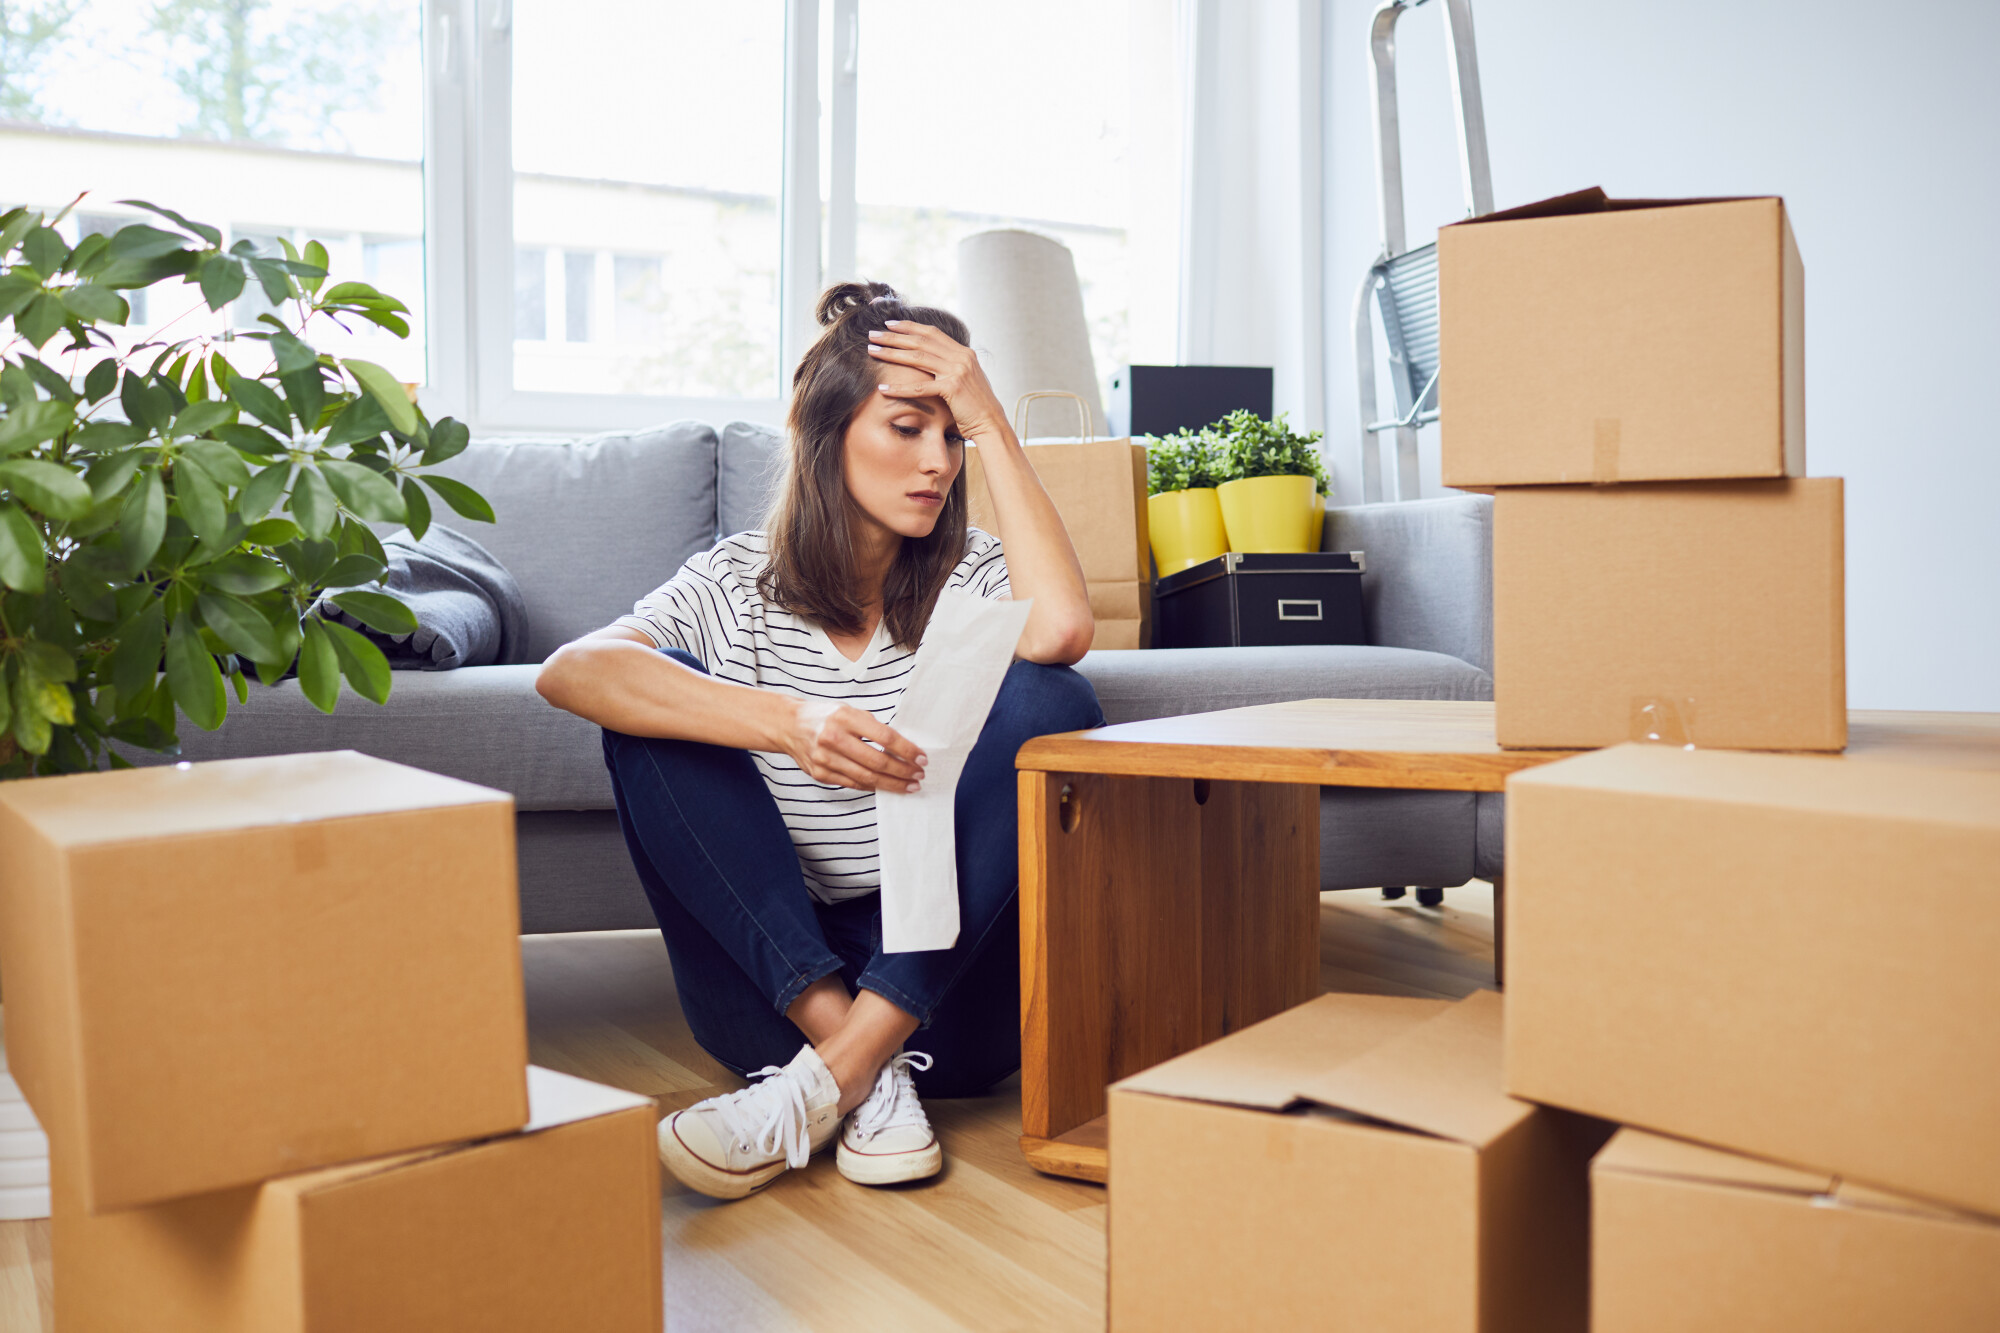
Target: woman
[745, 705]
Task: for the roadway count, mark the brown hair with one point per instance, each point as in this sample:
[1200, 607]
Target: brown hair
[812, 570]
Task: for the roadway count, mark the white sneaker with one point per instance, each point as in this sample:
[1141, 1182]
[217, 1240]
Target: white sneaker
[735, 1144]
[889, 1139]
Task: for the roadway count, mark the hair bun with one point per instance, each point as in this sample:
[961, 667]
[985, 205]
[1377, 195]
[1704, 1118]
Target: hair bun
[841, 300]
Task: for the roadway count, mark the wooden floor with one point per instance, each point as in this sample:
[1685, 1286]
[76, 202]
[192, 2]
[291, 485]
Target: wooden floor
[987, 1245]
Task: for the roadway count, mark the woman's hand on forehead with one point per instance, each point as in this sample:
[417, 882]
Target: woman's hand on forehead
[956, 376]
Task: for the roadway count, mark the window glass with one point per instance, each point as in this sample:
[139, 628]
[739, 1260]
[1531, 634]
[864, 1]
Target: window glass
[648, 152]
[266, 118]
[973, 117]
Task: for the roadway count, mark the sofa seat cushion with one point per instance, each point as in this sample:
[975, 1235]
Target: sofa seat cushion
[482, 724]
[1133, 685]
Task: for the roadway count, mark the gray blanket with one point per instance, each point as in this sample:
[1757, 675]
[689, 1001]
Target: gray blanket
[469, 609]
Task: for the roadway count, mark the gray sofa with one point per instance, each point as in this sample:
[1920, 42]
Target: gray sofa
[588, 526]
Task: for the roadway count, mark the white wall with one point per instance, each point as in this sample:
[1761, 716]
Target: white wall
[1880, 125]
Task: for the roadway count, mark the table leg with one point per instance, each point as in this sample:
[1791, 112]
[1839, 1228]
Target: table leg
[1157, 914]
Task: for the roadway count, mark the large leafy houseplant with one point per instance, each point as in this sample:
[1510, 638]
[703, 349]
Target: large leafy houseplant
[173, 511]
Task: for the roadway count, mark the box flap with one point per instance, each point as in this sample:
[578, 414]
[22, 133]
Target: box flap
[1442, 1077]
[1593, 200]
[1852, 1195]
[560, 1099]
[1262, 1065]
[1827, 784]
[1636, 1152]
[170, 800]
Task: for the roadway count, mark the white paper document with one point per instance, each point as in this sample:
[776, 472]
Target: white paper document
[965, 654]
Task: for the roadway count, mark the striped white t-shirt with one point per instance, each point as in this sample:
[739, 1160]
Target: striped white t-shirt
[711, 609]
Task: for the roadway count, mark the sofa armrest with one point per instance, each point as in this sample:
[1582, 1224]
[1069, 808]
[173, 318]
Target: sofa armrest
[1429, 577]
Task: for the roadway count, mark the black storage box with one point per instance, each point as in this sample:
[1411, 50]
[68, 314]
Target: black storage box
[1249, 599]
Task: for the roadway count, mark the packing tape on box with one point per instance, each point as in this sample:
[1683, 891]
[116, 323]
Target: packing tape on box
[1604, 450]
[1663, 719]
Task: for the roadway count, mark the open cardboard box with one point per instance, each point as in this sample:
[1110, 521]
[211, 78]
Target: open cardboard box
[1711, 612]
[1689, 1239]
[556, 1226]
[1589, 339]
[217, 973]
[1791, 956]
[1351, 1163]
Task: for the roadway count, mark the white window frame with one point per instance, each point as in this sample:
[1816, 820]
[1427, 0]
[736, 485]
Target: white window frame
[469, 223]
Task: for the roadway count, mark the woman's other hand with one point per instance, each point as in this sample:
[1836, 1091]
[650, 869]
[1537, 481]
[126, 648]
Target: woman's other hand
[957, 376]
[830, 742]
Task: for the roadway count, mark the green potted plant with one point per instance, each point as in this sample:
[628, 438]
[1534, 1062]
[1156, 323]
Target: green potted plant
[1273, 495]
[173, 511]
[1182, 514]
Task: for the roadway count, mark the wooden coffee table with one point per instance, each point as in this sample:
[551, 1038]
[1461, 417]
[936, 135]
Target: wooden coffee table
[1170, 882]
[1170, 874]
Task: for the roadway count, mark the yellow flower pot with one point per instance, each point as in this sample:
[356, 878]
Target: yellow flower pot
[1270, 513]
[1186, 529]
[1319, 521]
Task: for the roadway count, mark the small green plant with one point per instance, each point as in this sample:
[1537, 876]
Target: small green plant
[166, 518]
[1184, 461]
[1254, 447]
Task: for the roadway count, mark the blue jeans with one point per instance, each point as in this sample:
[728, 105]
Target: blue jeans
[746, 936]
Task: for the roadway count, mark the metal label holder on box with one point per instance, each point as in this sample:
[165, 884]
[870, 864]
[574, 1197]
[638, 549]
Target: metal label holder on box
[1256, 599]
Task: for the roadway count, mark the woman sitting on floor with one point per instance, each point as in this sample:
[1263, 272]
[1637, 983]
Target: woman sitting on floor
[744, 707]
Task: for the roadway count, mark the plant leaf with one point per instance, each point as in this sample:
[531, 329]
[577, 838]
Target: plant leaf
[418, 507]
[200, 418]
[40, 320]
[366, 493]
[222, 279]
[351, 571]
[262, 402]
[249, 439]
[313, 504]
[239, 625]
[201, 229]
[112, 473]
[32, 424]
[361, 419]
[49, 487]
[377, 610]
[319, 667]
[147, 402]
[43, 248]
[257, 499]
[101, 380]
[23, 558]
[293, 355]
[193, 677]
[462, 498]
[272, 531]
[448, 440]
[135, 662]
[366, 669]
[245, 574]
[142, 523]
[99, 304]
[387, 391]
[271, 277]
[199, 499]
[306, 392]
[218, 461]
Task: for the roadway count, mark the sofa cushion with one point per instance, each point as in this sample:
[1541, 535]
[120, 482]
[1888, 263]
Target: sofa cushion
[1429, 578]
[483, 724]
[1163, 682]
[557, 502]
[1373, 837]
[748, 460]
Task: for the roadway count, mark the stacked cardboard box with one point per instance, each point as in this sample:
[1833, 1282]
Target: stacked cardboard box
[1099, 488]
[1629, 377]
[1787, 958]
[220, 976]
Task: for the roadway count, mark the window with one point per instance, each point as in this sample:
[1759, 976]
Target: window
[265, 118]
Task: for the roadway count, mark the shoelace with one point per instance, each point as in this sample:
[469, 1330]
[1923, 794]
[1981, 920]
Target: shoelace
[893, 1102]
[784, 1122]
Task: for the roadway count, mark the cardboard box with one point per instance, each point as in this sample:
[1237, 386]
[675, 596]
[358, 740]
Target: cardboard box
[1705, 611]
[1099, 488]
[1687, 1239]
[222, 972]
[1784, 955]
[1588, 339]
[1348, 1164]
[554, 1227]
